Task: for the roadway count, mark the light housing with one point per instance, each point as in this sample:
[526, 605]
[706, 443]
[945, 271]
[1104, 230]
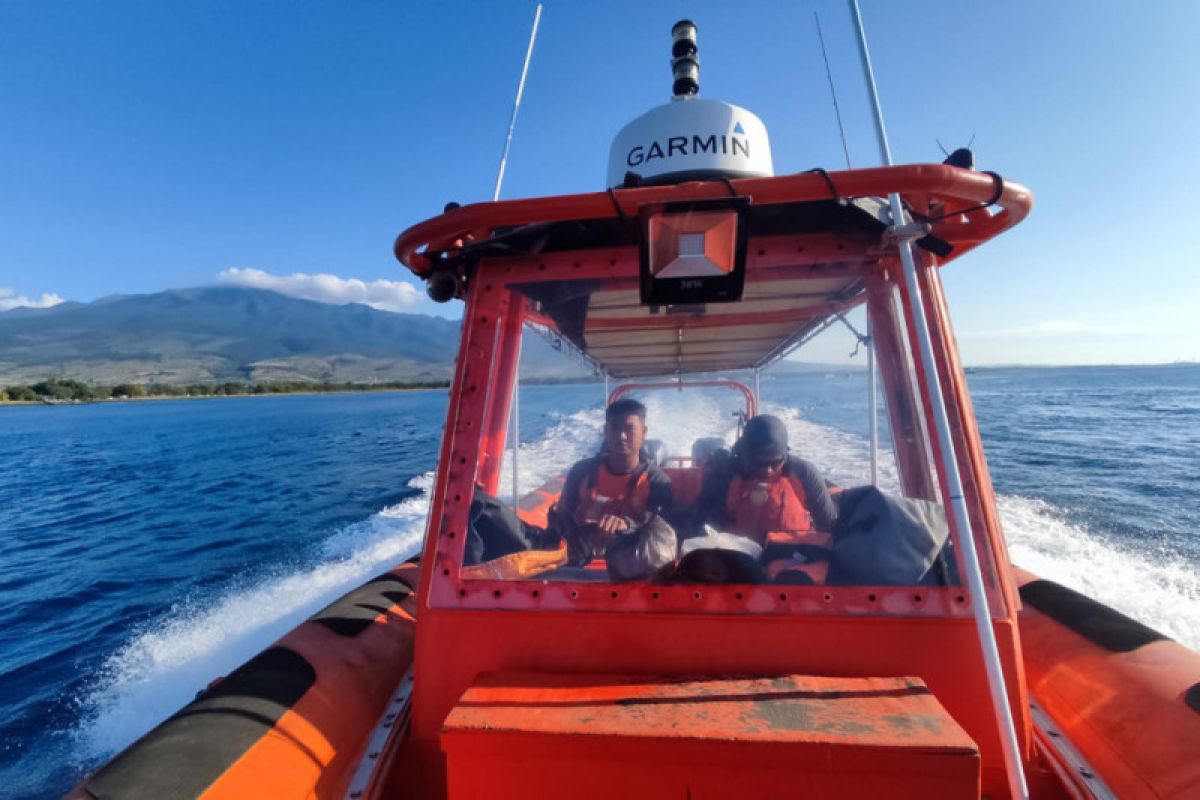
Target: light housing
[693, 252]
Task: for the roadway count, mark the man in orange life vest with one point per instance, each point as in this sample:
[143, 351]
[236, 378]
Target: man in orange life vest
[764, 493]
[616, 490]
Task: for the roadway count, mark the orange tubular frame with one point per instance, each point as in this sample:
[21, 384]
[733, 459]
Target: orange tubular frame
[751, 400]
[961, 191]
[667, 630]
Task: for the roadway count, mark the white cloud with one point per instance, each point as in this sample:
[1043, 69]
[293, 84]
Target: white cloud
[10, 299]
[325, 288]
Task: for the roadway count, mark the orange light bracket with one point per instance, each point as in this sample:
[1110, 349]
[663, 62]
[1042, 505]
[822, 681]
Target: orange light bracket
[693, 252]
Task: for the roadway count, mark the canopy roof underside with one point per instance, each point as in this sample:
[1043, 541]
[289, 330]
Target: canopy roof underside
[626, 339]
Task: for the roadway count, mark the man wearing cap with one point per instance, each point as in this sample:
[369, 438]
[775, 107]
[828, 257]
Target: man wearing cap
[766, 494]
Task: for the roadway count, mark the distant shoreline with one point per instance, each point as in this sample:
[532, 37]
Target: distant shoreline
[267, 391]
[156, 398]
[66, 392]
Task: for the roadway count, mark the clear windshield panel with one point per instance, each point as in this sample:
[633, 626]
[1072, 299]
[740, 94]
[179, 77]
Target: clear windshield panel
[652, 451]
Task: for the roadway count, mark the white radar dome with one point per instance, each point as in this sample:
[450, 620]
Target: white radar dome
[691, 139]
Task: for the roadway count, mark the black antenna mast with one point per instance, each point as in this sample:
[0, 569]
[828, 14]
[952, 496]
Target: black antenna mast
[837, 111]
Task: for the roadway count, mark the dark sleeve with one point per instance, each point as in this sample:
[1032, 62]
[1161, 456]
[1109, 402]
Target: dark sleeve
[816, 495]
[568, 501]
[661, 499]
[710, 505]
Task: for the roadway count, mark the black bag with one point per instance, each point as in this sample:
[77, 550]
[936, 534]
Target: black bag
[495, 530]
[881, 540]
[583, 542]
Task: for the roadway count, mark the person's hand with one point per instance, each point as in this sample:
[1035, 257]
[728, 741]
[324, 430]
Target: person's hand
[611, 524]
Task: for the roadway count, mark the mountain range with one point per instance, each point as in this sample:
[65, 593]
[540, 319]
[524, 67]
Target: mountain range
[205, 335]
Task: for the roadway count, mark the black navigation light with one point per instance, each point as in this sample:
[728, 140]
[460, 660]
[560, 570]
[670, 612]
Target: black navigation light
[685, 59]
[962, 157]
[693, 251]
[443, 285]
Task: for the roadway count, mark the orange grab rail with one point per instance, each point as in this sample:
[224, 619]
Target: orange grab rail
[626, 388]
[961, 190]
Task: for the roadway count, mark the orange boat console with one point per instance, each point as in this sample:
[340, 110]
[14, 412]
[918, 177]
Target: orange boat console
[602, 736]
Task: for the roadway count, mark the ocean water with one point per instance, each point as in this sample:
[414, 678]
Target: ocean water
[151, 546]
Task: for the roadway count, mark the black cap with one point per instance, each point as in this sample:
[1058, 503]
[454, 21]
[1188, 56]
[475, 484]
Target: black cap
[765, 439]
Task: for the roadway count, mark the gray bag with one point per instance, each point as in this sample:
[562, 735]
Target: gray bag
[642, 553]
[883, 540]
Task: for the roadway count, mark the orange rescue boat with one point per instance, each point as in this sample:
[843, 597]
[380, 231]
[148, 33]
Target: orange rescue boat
[444, 678]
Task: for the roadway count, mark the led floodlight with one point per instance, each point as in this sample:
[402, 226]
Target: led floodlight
[693, 252]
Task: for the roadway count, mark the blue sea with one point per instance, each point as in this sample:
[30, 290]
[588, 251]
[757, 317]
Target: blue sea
[148, 547]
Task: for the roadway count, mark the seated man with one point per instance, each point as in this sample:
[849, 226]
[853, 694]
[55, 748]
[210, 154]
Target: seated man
[617, 489]
[764, 490]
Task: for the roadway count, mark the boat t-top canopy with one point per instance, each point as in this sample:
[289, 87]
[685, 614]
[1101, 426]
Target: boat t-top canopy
[812, 241]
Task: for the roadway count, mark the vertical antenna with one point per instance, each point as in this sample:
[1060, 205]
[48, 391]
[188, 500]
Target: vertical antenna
[832, 92]
[956, 502]
[515, 425]
[512, 122]
[872, 380]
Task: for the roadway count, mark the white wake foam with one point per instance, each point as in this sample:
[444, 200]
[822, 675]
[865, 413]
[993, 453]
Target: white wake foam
[162, 668]
[1157, 588]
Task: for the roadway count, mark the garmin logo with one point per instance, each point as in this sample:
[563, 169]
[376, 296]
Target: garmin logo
[684, 146]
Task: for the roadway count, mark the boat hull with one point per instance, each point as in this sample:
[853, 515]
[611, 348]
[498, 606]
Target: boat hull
[1125, 698]
[291, 722]
[1116, 708]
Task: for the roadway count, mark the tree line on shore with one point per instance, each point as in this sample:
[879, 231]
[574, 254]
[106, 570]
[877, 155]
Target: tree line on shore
[65, 390]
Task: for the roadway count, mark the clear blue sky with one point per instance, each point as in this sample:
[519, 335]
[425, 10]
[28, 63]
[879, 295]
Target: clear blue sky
[151, 145]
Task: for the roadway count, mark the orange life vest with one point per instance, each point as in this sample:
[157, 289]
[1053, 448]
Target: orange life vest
[755, 508]
[624, 495]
